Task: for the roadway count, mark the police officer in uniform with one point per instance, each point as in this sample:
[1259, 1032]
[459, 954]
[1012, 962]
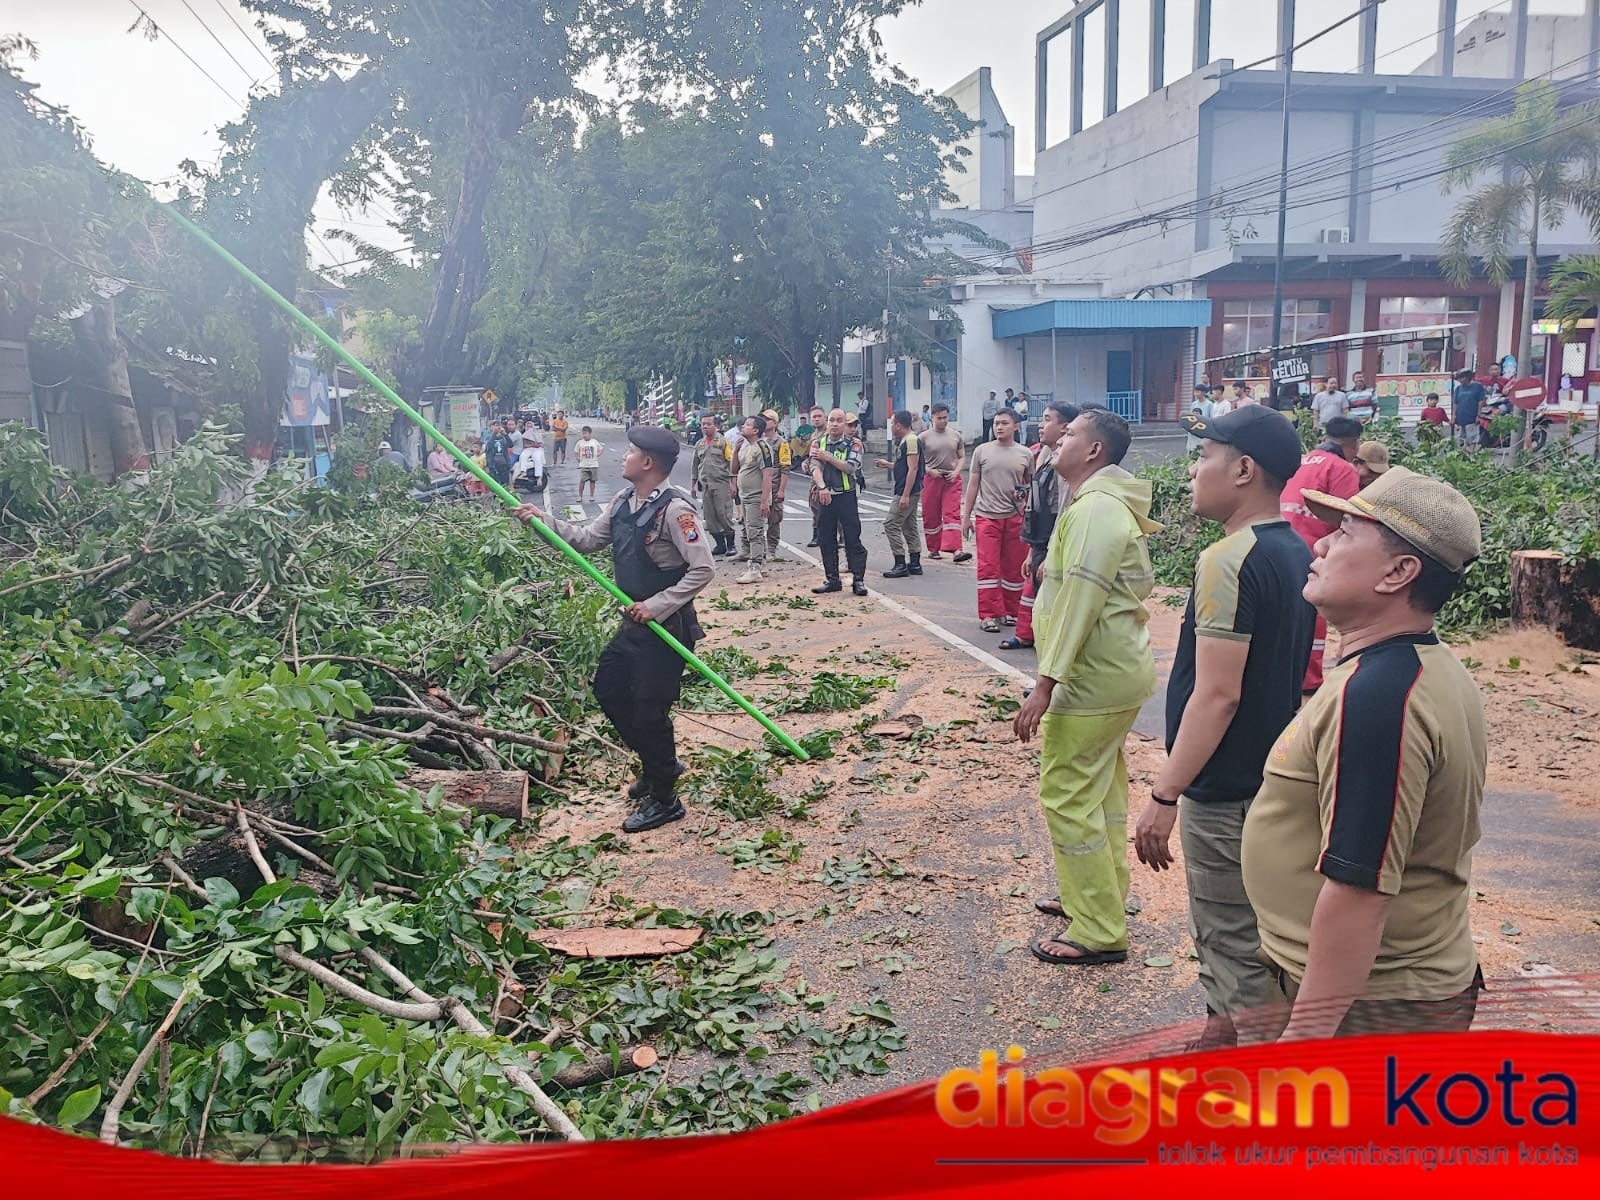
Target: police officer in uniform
[662, 560]
[713, 478]
[836, 482]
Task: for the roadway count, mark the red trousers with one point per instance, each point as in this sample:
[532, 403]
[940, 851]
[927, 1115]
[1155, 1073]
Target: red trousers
[1025, 610]
[941, 514]
[1001, 556]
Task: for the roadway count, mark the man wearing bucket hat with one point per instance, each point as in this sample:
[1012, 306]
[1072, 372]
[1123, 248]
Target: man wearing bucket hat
[1372, 460]
[1357, 851]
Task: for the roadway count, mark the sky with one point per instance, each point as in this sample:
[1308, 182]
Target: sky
[147, 108]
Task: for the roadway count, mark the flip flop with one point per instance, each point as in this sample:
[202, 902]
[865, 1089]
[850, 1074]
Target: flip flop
[1012, 643]
[964, 556]
[1050, 908]
[992, 625]
[1085, 958]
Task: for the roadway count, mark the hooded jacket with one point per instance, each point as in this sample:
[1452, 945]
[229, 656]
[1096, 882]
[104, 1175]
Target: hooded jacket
[1090, 621]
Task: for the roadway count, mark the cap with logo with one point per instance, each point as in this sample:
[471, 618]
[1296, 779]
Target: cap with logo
[657, 442]
[1374, 456]
[1264, 434]
[1428, 513]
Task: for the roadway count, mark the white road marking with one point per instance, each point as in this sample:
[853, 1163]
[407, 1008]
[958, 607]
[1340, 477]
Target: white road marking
[998, 666]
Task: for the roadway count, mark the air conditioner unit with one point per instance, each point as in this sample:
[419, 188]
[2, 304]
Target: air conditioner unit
[1339, 234]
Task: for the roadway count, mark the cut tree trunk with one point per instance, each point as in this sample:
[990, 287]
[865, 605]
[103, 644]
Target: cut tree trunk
[1549, 591]
[497, 793]
[227, 857]
[630, 1061]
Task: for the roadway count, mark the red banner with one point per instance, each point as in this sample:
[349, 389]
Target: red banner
[1412, 1112]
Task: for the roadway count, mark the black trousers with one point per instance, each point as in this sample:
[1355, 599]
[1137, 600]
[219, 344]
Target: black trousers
[637, 682]
[842, 514]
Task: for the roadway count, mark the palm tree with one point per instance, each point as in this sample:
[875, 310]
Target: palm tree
[1540, 160]
[1574, 291]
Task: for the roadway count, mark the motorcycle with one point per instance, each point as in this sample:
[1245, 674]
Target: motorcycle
[528, 474]
[1539, 425]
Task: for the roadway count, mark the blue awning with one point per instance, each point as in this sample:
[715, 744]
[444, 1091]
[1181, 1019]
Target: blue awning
[1083, 316]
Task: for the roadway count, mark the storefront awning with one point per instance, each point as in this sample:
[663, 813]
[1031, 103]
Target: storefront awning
[1085, 316]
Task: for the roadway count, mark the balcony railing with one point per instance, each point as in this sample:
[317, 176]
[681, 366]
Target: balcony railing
[1127, 405]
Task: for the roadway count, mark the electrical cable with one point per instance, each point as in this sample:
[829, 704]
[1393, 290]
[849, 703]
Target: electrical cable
[192, 60]
[264, 56]
[231, 57]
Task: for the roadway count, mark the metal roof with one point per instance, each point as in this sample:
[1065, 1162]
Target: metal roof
[1082, 316]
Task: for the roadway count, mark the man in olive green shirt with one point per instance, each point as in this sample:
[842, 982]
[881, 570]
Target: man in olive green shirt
[1095, 671]
[1357, 851]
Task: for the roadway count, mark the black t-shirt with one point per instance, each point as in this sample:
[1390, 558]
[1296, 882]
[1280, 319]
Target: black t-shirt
[1247, 588]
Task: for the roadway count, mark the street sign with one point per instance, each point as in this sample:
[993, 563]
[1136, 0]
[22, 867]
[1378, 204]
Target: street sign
[1527, 392]
[1291, 370]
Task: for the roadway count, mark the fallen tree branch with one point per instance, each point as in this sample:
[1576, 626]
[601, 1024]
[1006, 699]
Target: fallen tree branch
[630, 1061]
[335, 982]
[268, 875]
[359, 660]
[379, 733]
[147, 634]
[549, 1111]
[456, 725]
[102, 570]
[113, 1118]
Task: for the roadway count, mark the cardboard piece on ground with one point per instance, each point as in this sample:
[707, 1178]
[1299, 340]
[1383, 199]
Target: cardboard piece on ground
[618, 943]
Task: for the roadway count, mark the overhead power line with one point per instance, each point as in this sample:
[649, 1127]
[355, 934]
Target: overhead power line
[178, 46]
[242, 33]
[220, 44]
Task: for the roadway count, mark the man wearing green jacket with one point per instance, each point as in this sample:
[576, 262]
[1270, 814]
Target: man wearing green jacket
[1095, 671]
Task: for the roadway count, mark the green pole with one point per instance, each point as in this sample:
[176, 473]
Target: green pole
[549, 535]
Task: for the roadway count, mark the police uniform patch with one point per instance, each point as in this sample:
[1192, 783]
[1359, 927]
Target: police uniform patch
[689, 527]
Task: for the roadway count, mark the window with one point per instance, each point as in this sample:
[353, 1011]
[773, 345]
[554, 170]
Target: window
[916, 376]
[1430, 355]
[1408, 39]
[1092, 31]
[1057, 115]
[1133, 53]
[1247, 332]
[1177, 60]
[1484, 34]
[1338, 51]
[1244, 31]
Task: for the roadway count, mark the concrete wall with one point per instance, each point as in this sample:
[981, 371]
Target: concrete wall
[991, 147]
[1143, 158]
[1246, 151]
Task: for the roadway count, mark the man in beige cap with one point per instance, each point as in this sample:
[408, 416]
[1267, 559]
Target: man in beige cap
[1357, 851]
[1372, 460]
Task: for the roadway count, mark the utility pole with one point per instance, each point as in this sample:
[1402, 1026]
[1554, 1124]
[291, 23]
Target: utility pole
[1283, 221]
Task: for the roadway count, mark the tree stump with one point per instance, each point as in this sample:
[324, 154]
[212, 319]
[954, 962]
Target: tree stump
[497, 793]
[1549, 591]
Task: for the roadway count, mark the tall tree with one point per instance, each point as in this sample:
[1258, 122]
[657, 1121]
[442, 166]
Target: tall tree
[1525, 171]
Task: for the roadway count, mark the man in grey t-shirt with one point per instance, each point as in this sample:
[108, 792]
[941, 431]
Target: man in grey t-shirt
[1330, 402]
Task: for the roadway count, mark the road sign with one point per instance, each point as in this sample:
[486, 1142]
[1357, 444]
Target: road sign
[1291, 370]
[1527, 392]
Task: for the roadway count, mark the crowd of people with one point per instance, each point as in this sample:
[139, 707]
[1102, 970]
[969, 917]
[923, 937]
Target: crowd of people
[1326, 811]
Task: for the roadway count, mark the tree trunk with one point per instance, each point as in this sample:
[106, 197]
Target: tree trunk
[301, 138]
[490, 120]
[498, 793]
[96, 335]
[1549, 591]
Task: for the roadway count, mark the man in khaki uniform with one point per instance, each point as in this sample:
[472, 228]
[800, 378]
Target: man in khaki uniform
[757, 465]
[712, 478]
[1357, 851]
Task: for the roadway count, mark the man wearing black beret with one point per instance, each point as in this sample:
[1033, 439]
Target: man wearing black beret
[663, 560]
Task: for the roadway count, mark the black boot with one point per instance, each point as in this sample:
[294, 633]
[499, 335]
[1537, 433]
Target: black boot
[830, 585]
[915, 566]
[858, 587]
[660, 807]
[899, 570]
[641, 785]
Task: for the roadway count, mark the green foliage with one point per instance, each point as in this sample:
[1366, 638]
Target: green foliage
[771, 850]
[735, 782]
[834, 691]
[127, 745]
[1550, 503]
